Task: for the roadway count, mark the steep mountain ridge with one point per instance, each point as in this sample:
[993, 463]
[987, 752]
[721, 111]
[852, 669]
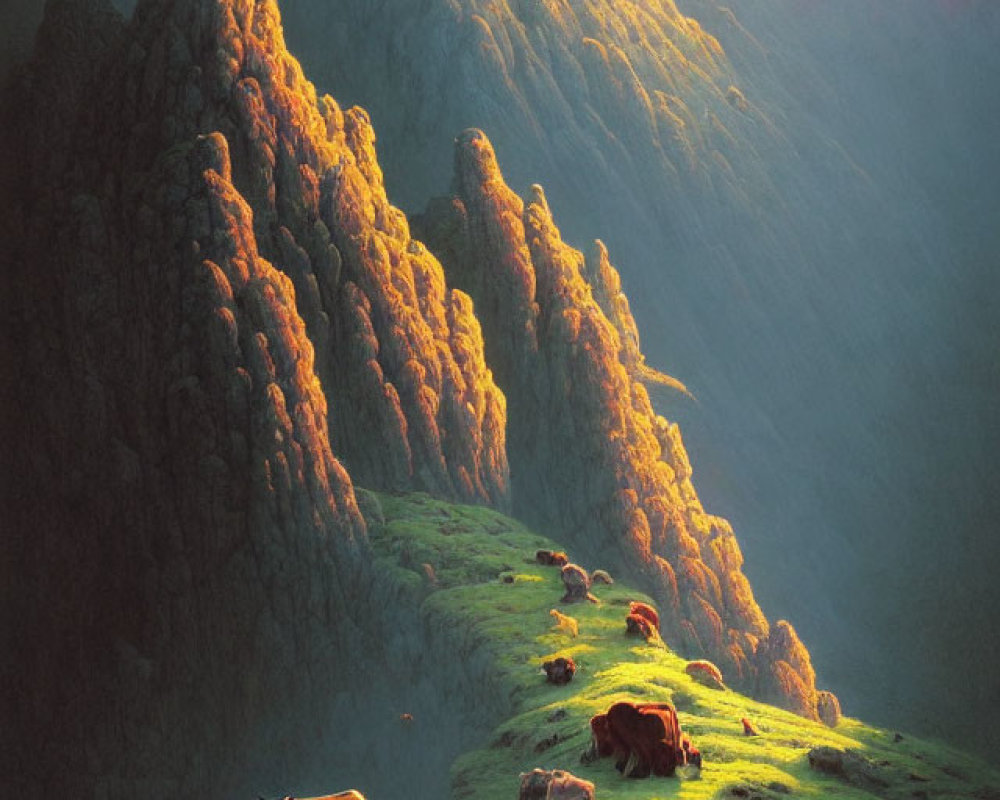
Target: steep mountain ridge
[818, 273]
[210, 297]
[183, 295]
[174, 506]
[589, 456]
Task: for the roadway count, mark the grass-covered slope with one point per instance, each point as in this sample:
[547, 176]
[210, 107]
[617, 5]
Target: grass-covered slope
[486, 590]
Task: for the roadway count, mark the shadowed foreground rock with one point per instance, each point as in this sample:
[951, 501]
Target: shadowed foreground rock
[206, 295]
[850, 766]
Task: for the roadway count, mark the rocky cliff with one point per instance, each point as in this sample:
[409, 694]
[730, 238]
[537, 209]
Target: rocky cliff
[590, 458]
[800, 198]
[216, 323]
[206, 296]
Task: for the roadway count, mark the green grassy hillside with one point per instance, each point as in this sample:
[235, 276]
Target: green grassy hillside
[487, 590]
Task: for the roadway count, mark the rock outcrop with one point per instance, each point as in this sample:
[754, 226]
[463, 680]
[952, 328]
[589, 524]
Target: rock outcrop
[542, 784]
[590, 457]
[785, 675]
[828, 708]
[400, 351]
[706, 673]
[210, 314]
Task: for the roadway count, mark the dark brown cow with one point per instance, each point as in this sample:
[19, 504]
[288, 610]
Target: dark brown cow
[644, 739]
[559, 670]
[603, 742]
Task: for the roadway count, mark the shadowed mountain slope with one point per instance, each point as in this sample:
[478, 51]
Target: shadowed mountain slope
[206, 295]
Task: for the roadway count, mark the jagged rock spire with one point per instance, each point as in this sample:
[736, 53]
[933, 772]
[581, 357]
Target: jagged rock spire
[590, 457]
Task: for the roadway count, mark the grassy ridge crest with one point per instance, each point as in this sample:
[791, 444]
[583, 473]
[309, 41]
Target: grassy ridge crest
[485, 588]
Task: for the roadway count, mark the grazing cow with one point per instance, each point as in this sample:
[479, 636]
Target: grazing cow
[601, 576]
[644, 739]
[692, 755]
[603, 742]
[636, 625]
[559, 670]
[577, 583]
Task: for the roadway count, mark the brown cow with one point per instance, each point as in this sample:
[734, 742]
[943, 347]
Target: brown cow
[603, 742]
[577, 583]
[645, 610]
[601, 576]
[559, 670]
[643, 738]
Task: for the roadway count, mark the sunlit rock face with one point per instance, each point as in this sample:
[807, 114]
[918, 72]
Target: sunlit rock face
[590, 458]
[398, 349]
[812, 260]
[212, 313]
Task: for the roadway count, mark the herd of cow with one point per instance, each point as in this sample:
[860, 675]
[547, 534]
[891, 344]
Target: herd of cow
[644, 739]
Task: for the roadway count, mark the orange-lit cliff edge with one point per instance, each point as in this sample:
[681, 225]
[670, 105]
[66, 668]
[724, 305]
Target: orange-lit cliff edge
[589, 456]
[172, 442]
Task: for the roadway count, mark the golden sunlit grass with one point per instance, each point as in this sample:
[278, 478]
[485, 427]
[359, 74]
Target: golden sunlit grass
[495, 600]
